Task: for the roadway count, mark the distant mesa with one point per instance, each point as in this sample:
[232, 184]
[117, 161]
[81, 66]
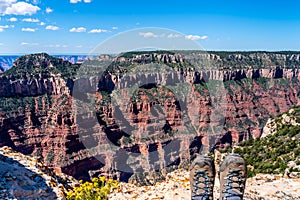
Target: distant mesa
[7, 61]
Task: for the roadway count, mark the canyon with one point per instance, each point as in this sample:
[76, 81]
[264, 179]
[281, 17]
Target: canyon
[137, 134]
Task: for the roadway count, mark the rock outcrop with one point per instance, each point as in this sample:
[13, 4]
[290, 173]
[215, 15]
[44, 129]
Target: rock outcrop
[177, 187]
[273, 124]
[23, 177]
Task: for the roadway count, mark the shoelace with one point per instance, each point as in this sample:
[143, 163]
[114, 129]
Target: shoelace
[202, 178]
[229, 192]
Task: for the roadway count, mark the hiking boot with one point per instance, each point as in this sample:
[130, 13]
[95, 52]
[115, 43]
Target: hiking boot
[232, 177]
[202, 173]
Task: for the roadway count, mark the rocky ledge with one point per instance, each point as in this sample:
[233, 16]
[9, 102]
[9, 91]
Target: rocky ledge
[23, 177]
[177, 187]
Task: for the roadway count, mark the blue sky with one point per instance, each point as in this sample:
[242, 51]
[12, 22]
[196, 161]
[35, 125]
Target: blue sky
[74, 26]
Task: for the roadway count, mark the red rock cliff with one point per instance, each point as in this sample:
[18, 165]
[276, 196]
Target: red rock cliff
[36, 115]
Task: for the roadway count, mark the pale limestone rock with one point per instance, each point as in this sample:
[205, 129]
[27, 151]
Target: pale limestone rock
[23, 177]
[260, 187]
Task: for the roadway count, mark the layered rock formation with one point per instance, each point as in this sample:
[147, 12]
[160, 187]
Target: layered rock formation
[37, 115]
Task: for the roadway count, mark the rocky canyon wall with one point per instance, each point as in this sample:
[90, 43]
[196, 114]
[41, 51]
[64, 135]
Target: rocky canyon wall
[37, 115]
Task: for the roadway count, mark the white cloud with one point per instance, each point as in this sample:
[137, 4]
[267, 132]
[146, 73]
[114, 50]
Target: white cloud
[3, 27]
[78, 30]
[79, 46]
[42, 24]
[98, 31]
[115, 28]
[56, 46]
[196, 37]
[30, 20]
[77, 1]
[12, 19]
[28, 29]
[49, 10]
[1, 44]
[4, 4]
[204, 37]
[171, 35]
[148, 35]
[31, 44]
[52, 28]
[151, 35]
[53, 45]
[21, 8]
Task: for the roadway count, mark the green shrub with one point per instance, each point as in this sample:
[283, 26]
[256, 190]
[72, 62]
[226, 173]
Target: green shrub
[272, 153]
